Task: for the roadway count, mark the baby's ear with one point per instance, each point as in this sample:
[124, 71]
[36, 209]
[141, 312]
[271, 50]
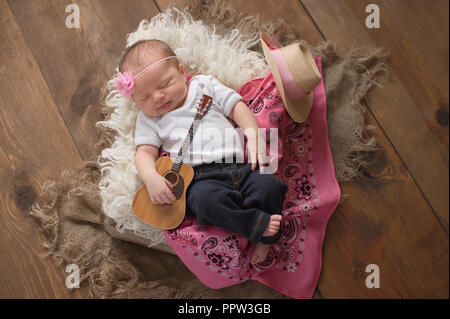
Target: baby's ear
[180, 67]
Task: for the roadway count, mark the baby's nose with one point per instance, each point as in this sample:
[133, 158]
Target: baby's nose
[159, 96]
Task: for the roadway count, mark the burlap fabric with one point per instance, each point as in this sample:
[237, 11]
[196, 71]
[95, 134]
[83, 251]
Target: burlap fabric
[69, 210]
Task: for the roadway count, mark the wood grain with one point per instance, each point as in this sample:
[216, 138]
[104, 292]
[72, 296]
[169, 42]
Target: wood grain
[76, 63]
[403, 119]
[385, 222]
[35, 145]
[419, 54]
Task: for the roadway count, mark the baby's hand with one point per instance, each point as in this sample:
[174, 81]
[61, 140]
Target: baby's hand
[160, 191]
[258, 156]
[261, 159]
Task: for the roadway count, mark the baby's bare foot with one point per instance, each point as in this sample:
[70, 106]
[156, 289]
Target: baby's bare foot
[260, 253]
[273, 226]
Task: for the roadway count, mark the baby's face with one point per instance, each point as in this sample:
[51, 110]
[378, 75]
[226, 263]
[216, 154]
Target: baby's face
[160, 89]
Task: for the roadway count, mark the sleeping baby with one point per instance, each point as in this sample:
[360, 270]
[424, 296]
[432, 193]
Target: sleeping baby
[225, 191]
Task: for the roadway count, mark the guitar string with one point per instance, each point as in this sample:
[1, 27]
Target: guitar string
[196, 122]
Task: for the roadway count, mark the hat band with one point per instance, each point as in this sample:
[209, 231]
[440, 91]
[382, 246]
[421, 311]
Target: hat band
[291, 87]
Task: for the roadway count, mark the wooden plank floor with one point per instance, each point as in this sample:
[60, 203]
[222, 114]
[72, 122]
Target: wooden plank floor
[398, 210]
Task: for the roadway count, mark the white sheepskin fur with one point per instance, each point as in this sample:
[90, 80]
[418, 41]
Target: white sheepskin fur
[198, 48]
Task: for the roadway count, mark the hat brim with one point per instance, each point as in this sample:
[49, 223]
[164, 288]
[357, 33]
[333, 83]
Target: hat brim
[298, 109]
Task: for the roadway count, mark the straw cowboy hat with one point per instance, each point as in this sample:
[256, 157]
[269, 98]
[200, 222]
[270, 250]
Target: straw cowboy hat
[295, 73]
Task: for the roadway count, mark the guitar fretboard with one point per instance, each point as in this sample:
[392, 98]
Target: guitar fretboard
[202, 107]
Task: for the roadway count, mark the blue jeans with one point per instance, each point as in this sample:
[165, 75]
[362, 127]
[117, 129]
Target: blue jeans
[235, 198]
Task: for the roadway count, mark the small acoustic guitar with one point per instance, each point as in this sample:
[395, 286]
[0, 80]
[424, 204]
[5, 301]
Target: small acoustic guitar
[179, 174]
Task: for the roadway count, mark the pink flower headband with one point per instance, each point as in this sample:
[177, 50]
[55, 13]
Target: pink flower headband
[125, 81]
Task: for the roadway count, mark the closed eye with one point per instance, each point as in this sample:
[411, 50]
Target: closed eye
[167, 84]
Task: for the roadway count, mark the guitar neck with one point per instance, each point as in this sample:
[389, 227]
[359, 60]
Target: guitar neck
[187, 141]
[202, 108]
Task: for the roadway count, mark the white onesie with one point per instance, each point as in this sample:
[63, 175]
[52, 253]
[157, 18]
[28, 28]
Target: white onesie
[215, 137]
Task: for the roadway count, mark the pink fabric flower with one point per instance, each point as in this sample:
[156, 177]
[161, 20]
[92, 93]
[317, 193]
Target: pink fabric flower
[125, 83]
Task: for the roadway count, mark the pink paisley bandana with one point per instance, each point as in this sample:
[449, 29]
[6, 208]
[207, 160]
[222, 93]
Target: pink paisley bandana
[221, 259]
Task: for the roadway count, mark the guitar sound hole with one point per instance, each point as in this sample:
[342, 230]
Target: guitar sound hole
[172, 178]
[177, 183]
